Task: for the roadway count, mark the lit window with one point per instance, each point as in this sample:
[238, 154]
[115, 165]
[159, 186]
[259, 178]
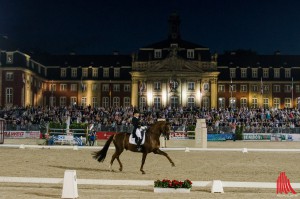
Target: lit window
[157, 53]
[95, 102]
[156, 86]
[191, 102]
[94, 87]
[276, 103]
[116, 101]
[74, 72]
[73, 87]
[266, 102]
[105, 102]
[243, 88]
[116, 87]
[156, 102]
[276, 88]
[62, 101]
[116, 72]
[126, 101]
[9, 76]
[105, 72]
[127, 87]
[63, 87]
[105, 87]
[84, 72]
[254, 103]
[221, 88]
[63, 72]
[276, 73]
[190, 53]
[232, 72]
[83, 101]
[95, 72]
[254, 73]
[243, 102]
[9, 95]
[243, 72]
[191, 86]
[287, 73]
[265, 73]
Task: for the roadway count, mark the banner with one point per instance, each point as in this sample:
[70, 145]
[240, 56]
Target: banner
[271, 136]
[178, 135]
[104, 135]
[22, 134]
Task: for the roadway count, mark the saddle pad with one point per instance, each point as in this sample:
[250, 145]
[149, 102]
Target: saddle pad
[132, 140]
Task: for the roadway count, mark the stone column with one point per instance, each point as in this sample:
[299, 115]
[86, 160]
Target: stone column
[134, 93]
[164, 93]
[198, 96]
[201, 134]
[213, 93]
[1, 80]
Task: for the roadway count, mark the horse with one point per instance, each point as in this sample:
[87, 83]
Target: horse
[121, 142]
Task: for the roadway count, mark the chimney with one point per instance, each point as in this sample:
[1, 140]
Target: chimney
[277, 52]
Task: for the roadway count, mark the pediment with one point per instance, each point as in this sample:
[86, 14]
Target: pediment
[175, 63]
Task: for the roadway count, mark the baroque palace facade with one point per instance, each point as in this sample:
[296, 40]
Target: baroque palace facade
[172, 72]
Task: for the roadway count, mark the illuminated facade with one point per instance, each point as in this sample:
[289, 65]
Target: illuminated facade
[172, 72]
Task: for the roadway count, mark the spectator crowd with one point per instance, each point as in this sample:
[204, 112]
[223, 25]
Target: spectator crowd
[181, 118]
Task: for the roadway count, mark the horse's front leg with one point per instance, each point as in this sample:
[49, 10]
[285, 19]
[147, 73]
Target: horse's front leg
[158, 151]
[143, 162]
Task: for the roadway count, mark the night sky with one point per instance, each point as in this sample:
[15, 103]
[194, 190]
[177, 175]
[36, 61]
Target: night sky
[101, 27]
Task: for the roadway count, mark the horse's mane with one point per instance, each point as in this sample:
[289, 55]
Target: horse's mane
[156, 128]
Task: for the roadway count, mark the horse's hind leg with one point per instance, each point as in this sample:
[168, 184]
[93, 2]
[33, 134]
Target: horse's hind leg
[121, 166]
[116, 155]
[158, 151]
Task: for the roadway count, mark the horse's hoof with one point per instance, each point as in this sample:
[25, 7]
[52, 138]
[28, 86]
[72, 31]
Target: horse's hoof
[120, 169]
[143, 172]
[173, 165]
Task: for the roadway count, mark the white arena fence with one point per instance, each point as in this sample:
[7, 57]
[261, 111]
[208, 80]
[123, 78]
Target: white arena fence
[228, 184]
[70, 182]
[185, 149]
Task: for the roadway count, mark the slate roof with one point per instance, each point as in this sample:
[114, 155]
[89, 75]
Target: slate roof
[253, 60]
[200, 51]
[181, 43]
[84, 60]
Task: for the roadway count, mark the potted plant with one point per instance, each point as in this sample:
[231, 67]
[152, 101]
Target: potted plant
[172, 186]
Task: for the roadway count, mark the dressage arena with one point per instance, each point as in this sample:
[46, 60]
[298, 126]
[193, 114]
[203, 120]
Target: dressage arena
[253, 166]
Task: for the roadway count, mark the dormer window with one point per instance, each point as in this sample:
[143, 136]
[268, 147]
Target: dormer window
[174, 45]
[9, 58]
[84, 72]
[74, 72]
[63, 72]
[190, 53]
[157, 53]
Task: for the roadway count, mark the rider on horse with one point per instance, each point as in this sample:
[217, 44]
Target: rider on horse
[136, 124]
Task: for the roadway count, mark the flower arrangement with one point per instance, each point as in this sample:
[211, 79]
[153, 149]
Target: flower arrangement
[173, 184]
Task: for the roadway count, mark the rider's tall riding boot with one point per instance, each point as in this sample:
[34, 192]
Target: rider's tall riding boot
[138, 143]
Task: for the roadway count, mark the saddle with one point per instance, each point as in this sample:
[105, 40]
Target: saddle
[140, 132]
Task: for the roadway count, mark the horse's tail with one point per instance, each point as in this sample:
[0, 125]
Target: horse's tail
[100, 155]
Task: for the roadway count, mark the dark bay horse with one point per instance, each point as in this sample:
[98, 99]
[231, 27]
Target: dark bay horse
[121, 142]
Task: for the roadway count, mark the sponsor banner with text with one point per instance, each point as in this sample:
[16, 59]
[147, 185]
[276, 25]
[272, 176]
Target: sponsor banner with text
[22, 134]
